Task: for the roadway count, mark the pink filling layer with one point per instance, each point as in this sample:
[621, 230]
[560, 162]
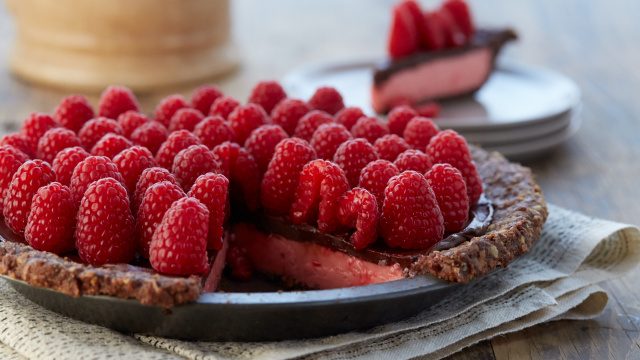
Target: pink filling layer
[447, 77]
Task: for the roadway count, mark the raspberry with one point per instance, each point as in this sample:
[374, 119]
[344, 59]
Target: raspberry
[288, 113]
[432, 32]
[116, 100]
[54, 141]
[375, 176]
[157, 199]
[150, 135]
[192, 162]
[131, 120]
[89, 170]
[10, 160]
[358, 209]
[176, 142]
[410, 217]
[319, 189]
[179, 245]
[212, 189]
[237, 164]
[131, 163]
[168, 107]
[111, 145]
[204, 96]
[244, 119]
[453, 35]
[429, 110]
[185, 119]
[223, 106]
[403, 36]
[281, 178]
[95, 129]
[419, 131]
[51, 219]
[10, 150]
[262, 143]
[448, 147]
[213, 130]
[241, 268]
[105, 228]
[460, 12]
[34, 127]
[451, 193]
[352, 156]
[66, 161]
[390, 146]
[399, 117]
[73, 111]
[369, 128]
[310, 122]
[26, 181]
[349, 116]
[18, 141]
[150, 176]
[414, 160]
[327, 99]
[327, 138]
[267, 94]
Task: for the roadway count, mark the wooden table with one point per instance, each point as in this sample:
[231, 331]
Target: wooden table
[594, 42]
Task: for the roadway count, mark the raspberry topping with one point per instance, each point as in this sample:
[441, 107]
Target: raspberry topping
[403, 37]
[327, 99]
[262, 143]
[288, 113]
[213, 130]
[157, 199]
[390, 146]
[310, 122]
[131, 163]
[432, 32]
[150, 176]
[34, 127]
[267, 94]
[241, 268]
[414, 160]
[375, 177]
[66, 161]
[54, 141]
[204, 96]
[223, 106]
[19, 142]
[212, 189]
[116, 100]
[95, 129]
[73, 111]
[369, 128]
[150, 135]
[244, 119]
[399, 117]
[352, 156]
[327, 138]
[89, 170]
[349, 116]
[130, 121]
[51, 220]
[111, 145]
[10, 161]
[451, 193]
[460, 12]
[358, 210]
[168, 107]
[419, 131]
[192, 162]
[176, 142]
[185, 119]
[237, 164]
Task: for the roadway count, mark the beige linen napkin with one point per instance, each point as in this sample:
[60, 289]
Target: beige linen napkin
[556, 280]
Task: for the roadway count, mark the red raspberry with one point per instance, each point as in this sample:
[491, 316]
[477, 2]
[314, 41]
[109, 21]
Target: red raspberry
[327, 99]
[192, 162]
[26, 181]
[10, 150]
[73, 111]
[18, 141]
[130, 121]
[223, 106]
[176, 142]
[352, 156]
[462, 16]
[288, 113]
[429, 110]
[390, 146]
[95, 129]
[399, 117]
[349, 116]
[150, 176]
[179, 245]
[375, 177]
[212, 189]
[309, 123]
[281, 178]
[358, 210]
[185, 119]
[419, 131]
[320, 187]
[262, 143]
[131, 163]
[54, 141]
[414, 160]
[410, 216]
[213, 130]
[327, 138]
[157, 199]
[451, 192]
[369, 128]
[448, 147]
[403, 36]
[111, 145]
[168, 107]
[10, 160]
[51, 220]
[237, 164]
[116, 100]
[34, 127]
[89, 170]
[244, 119]
[150, 135]
[267, 94]
[204, 96]
[241, 268]
[66, 161]
[105, 231]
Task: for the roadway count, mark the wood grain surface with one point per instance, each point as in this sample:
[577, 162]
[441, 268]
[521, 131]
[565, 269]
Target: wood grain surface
[597, 43]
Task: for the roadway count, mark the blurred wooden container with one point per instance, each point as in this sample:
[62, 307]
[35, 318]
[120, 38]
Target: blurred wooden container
[144, 44]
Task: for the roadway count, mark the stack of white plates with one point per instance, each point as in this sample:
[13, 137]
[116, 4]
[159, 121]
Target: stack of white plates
[522, 111]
